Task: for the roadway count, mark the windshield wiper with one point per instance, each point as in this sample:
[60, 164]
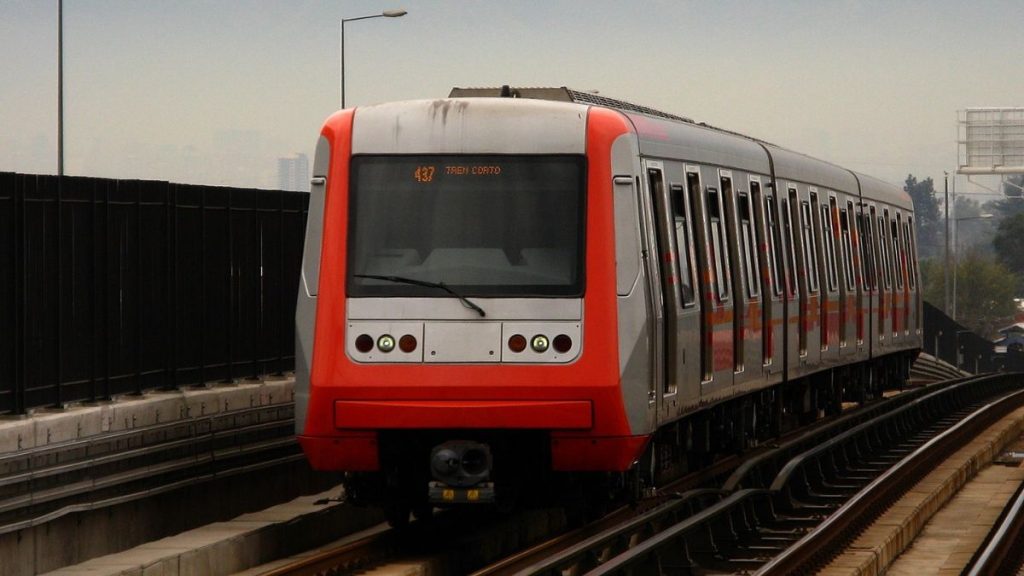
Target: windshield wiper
[403, 280]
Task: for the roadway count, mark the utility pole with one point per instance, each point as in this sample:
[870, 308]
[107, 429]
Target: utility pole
[945, 277]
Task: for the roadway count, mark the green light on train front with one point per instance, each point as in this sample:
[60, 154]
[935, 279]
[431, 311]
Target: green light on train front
[539, 343]
[386, 343]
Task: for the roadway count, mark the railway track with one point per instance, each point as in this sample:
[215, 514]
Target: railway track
[621, 530]
[750, 524]
[1003, 550]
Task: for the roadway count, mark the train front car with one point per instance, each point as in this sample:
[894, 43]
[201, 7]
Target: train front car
[458, 323]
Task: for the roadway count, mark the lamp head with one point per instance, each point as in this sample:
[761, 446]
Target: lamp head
[396, 13]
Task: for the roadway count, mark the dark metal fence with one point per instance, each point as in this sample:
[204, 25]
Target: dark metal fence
[117, 286]
[945, 339]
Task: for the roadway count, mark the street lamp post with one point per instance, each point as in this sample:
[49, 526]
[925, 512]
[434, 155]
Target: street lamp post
[397, 13]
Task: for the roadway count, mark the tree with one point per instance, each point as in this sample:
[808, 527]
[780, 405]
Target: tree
[1009, 242]
[985, 290]
[927, 220]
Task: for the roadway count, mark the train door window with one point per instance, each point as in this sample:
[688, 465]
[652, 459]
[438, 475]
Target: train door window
[829, 244]
[704, 268]
[867, 259]
[748, 245]
[681, 219]
[775, 274]
[810, 249]
[790, 243]
[847, 246]
[908, 233]
[897, 251]
[719, 258]
[883, 251]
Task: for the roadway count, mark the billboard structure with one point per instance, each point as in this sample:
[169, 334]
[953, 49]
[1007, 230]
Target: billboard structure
[990, 141]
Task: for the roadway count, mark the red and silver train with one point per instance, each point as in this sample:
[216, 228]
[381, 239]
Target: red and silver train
[559, 293]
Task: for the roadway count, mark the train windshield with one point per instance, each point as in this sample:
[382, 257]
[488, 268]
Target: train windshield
[483, 225]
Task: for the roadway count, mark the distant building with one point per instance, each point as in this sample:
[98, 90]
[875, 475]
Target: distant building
[293, 173]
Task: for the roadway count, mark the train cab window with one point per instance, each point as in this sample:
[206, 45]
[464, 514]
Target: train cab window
[681, 219]
[790, 247]
[719, 258]
[810, 248]
[775, 274]
[828, 243]
[520, 233]
[847, 246]
[748, 245]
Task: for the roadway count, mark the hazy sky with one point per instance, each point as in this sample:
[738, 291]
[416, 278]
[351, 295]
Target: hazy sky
[214, 92]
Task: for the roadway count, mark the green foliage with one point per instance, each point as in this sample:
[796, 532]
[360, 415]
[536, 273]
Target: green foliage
[985, 290]
[927, 219]
[1009, 242]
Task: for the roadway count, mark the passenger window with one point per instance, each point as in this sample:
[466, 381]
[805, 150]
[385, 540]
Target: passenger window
[749, 246]
[809, 247]
[867, 252]
[790, 248]
[719, 258]
[908, 232]
[828, 242]
[681, 218]
[775, 274]
[885, 259]
[897, 251]
[847, 239]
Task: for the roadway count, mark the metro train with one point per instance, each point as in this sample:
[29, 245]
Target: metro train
[534, 295]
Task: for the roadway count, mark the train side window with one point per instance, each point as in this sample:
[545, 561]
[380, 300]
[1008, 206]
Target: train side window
[847, 248]
[867, 254]
[897, 251]
[883, 251]
[775, 274]
[809, 246]
[719, 258]
[748, 245]
[908, 232]
[790, 248]
[828, 243]
[681, 219]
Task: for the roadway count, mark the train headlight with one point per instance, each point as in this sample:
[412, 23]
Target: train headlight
[539, 343]
[386, 343]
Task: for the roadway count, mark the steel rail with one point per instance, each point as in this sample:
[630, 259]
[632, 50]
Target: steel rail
[160, 458]
[752, 506]
[817, 546]
[1002, 550]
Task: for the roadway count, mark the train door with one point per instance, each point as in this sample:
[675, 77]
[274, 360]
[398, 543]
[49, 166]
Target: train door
[736, 211]
[716, 304]
[672, 223]
[831, 316]
[871, 280]
[652, 248]
[848, 295]
[794, 301]
[769, 237]
[914, 317]
[749, 292]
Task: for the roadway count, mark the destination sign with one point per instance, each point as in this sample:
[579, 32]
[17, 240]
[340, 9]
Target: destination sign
[427, 172]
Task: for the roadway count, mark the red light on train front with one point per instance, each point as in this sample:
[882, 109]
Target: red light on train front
[407, 343]
[364, 343]
[517, 343]
[562, 343]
